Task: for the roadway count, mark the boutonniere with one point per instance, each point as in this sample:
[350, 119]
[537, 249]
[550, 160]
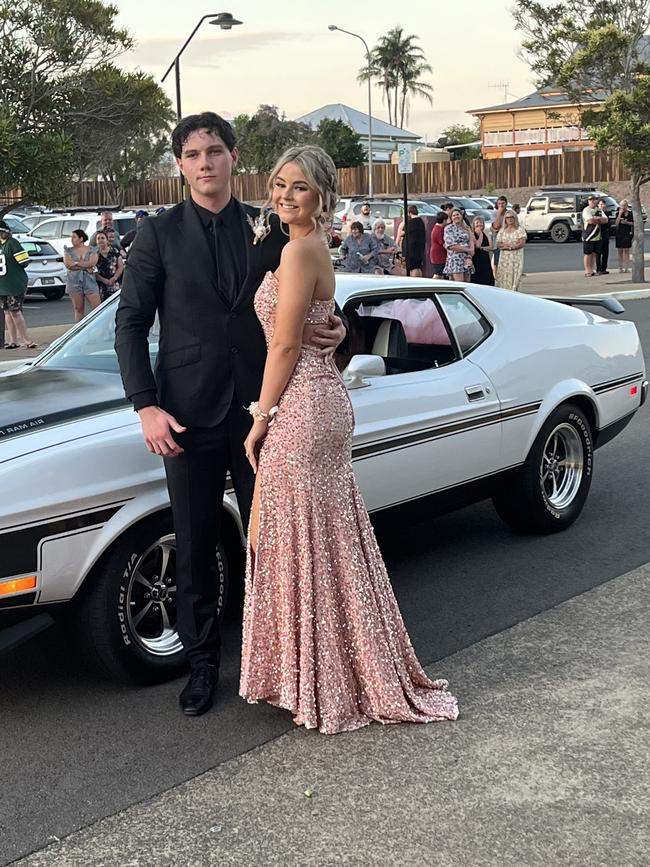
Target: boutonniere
[259, 225]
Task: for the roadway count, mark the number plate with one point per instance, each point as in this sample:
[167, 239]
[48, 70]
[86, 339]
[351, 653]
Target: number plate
[47, 281]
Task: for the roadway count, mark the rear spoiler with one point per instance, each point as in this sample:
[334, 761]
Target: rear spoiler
[607, 301]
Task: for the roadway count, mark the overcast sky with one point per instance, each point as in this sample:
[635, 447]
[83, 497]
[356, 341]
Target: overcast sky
[283, 54]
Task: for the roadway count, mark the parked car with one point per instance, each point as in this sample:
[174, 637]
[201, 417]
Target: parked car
[557, 214]
[469, 207]
[453, 404]
[32, 220]
[390, 210]
[46, 273]
[57, 229]
[484, 202]
[18, 229]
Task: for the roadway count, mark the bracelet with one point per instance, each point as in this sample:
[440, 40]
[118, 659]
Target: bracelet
[259, 414]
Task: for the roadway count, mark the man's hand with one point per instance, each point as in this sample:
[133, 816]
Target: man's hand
[157, 427]
[326, 336]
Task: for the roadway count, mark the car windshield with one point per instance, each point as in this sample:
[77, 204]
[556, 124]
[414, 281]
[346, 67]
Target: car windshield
[38, 248]
[91, 347]
[466, 202]
[16, 226]
[427, 209]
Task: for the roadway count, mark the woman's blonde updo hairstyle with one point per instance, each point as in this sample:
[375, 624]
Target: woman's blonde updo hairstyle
[320, 173]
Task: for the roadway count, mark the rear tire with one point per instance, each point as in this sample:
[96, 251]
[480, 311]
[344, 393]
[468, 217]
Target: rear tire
[548, 492]
[560, 233]
[125, 620]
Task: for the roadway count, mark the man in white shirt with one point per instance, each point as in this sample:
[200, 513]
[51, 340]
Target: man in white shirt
[592, 220]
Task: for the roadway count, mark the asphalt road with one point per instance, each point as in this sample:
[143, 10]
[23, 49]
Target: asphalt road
[539, 256]
[75, 749]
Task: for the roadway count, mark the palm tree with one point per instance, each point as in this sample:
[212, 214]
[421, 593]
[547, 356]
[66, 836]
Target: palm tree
[399, 64]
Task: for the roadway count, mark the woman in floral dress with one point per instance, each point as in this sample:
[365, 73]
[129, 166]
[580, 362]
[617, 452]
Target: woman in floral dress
[511, 240]
[459, 244]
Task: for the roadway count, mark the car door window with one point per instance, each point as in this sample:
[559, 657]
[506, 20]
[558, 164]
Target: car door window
[468, 324]
[537, 205]
[562, 204]
[394, 211]
[408, 333]
[48, 230]
[70, 225]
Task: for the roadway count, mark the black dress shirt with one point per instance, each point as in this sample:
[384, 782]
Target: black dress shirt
[225, 236]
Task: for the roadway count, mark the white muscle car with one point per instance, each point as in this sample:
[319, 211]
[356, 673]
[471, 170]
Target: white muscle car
[460, 392]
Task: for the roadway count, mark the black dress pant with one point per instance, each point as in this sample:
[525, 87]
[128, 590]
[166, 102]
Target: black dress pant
[196, 481]
[602, 255]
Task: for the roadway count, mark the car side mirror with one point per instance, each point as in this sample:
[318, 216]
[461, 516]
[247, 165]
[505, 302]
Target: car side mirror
[360, 366]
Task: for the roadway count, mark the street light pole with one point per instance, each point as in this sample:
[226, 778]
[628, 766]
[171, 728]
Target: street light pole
[225, 21]
[358, 36]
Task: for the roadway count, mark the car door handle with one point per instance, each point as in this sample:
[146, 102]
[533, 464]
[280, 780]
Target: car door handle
[475, 392]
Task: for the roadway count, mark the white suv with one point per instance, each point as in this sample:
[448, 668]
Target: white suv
[57, 229]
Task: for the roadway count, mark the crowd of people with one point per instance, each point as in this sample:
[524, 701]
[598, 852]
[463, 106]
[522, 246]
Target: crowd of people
[596, 234]
[457, 250]
[94, 266]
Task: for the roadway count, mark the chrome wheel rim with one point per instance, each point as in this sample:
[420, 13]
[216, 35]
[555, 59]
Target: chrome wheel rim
[562, 466]
[151, 599]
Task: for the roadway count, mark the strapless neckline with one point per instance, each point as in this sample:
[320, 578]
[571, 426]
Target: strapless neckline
[329, 302]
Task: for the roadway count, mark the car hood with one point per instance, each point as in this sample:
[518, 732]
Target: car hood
[42, 397]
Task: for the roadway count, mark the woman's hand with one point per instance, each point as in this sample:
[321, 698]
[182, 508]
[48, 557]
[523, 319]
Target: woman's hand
[254, 440]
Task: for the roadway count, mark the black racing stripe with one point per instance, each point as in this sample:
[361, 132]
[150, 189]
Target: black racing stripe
[441, 431]
[19, 547]
[617, 383]
[37, 422]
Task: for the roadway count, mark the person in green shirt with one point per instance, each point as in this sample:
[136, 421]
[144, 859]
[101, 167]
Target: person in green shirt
[13, 286]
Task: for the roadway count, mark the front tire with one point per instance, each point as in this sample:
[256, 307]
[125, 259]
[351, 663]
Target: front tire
[549, 491]
[53, 294]
[125, 620]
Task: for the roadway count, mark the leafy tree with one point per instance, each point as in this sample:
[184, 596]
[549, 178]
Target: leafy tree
[37, 162]
[130, 135]
[65, 108]
[457, 134]
[341, 143]
[592, 46]
[399, 65]
[264, 137]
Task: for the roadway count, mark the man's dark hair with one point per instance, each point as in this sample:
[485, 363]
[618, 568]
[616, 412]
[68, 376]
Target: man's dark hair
[502, 199]
[356, 225]
[413, 209]
[448, 206]
[441, 217]
[207, 120]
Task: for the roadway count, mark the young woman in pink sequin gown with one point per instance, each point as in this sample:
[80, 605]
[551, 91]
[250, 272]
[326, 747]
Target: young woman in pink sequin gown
[323, 635]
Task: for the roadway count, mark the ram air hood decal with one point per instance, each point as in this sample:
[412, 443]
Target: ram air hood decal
[42, 397]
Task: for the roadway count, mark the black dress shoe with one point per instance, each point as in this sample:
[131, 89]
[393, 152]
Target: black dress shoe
[196, 698]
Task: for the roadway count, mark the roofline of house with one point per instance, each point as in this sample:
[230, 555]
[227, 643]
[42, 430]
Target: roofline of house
[512, 107]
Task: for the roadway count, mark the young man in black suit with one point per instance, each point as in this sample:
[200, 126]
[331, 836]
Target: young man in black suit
[197, 267]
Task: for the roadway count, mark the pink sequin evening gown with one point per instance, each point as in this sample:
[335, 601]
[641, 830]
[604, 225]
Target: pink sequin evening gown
[323, 636]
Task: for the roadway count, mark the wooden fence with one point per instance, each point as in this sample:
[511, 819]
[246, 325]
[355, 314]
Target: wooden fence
[580, 167]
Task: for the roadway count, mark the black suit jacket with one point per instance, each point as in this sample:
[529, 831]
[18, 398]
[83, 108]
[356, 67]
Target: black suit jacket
[210, 348]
